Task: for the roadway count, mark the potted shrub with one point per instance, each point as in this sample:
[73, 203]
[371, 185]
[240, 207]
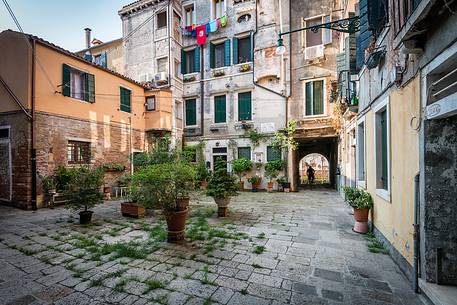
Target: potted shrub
[201, 175]
[83, 191]
[362, 202]
[255, 181]
[221, 187]
[167, 186]
[272, 169]
[245, 67]
[114, 167]
[49, 183]
[285, 184]
[240, 167]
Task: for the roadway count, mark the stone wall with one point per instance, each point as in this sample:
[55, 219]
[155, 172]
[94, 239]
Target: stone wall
[20, 157]
[440, 198]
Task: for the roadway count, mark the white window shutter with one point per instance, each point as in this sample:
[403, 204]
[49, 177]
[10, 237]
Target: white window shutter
[327, 33]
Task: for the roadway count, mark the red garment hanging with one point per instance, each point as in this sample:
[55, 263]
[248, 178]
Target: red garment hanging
[201, 34]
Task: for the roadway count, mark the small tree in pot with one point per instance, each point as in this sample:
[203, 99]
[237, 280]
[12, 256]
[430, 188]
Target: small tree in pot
[255, 181]
[84, 191]
[362, 202]
[201, 175]
[272, 169]
[240, 167]
[221, 187]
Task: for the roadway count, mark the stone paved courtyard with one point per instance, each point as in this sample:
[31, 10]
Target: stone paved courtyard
[279, 248]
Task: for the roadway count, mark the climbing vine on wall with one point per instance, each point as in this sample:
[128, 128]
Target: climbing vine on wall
[285, 138]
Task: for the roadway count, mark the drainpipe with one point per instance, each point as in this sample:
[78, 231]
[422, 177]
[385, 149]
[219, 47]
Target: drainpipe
[131, 145]
[202, 88]
[32, 133]
[416, 236]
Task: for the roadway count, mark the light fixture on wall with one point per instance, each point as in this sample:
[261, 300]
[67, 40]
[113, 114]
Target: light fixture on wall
[280, 49]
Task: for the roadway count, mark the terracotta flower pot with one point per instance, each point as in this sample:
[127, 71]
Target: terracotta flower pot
[176, 222]
[85, 217]
[182, 203]
[132, 209]
[270, 186]
[222, 206]
[361, 220]
[203, 184]
[255, 186]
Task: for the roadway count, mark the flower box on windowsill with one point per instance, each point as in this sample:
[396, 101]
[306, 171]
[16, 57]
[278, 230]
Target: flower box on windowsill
[244, 125]
[188, 79]
[245, 68]
[220, 72]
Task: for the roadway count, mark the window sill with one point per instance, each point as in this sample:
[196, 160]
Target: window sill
[315, 116]
[129, 112]
[384, 194]
[190, 126]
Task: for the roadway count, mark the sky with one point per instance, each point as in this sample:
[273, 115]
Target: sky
[62, 22]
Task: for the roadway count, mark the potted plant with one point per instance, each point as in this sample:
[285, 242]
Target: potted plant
[49, 184]
[83, 191]
[272, 169]
[201, 175]
[114, 167]
[255, 181]
[285, 184]
[240, 167]
[245, 67]
[221, 187]
[167, 186]
[361, 201]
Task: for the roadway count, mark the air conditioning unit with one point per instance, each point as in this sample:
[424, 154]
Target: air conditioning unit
[161, 78]
[314, 52]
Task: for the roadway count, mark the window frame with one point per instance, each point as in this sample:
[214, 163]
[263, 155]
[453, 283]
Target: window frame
[250, 55]
[238, 107]
[193, 14]
[120, 98]
[244, 147]
[147, 104]
[166, 20]
[187, 55]
[76, 154]
[361, 153]
[214, 8]
[382, 106]
[217, 46]
[271, 147]
[185, 112]
[86, 95]
[324, 97]
[323, 32]
[215, 110]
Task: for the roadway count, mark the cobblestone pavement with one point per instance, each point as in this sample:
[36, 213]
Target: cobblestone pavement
[279, 248]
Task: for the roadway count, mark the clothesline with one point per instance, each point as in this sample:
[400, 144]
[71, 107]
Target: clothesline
[202, 31]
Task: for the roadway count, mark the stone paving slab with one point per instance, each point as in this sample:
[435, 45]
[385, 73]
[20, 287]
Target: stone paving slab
[309, 256]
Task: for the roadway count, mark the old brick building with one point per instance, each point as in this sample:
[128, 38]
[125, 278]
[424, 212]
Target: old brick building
[67, 111]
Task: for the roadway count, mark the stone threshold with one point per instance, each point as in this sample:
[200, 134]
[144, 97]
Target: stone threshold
[439, 294]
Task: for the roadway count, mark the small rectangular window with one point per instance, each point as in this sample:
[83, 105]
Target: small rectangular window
[219, 54]
[191, 112]
[78, 152]
[313, 38]
[218, 8]
[78, 84]
[220, 108]
[161, 20]
[219, 150]
[150, 103]
[190, 62]
[361, 152]
[315, 97]
[125, 99]
[244, 106]
[244, 152]
[273, 153]
[244, 50]
[4, 133]
[382, 153]
[190, 15]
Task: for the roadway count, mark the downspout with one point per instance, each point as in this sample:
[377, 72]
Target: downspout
[416, 236]
[131, 146]
[202, 88]
[32, 133]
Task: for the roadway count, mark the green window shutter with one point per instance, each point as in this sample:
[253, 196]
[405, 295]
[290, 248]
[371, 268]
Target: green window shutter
[212, 56]
[318, 97]
[183, 62]
[197, 60]
[244, 106]
[235, 50]
[89, 89]
[227, 52]
[125, 100]
[191, 112]
[220, 109]
[244, 152]
[273, 153]
[251, 47]
[66, 80]
[384, 156]
[309, 98]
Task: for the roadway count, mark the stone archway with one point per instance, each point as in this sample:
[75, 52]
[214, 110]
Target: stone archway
[321, 168]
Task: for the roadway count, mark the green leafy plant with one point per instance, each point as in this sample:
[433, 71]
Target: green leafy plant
[222, 184]
[201, 172]
[272, 168]
[254, 179]
[124, 180]
[255, 137]
[48, 182]
[285, 138]
[84, 188]
[350, 195]
[119, 167]
[241, 166]
[363, 200]
[63, 176]
[189, 153]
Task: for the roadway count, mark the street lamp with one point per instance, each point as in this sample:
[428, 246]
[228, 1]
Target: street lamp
[280, 49]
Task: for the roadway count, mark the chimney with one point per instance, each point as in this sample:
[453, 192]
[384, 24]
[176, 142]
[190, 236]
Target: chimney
[87, 37]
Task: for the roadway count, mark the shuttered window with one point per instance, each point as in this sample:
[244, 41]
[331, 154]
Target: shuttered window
[384, 170]
[126, 96]
[273, 153]
[190, 61]
[244, 106]
[220, 109]
[78, 84]
[382, 147]
[220, 54]
[242, 49]
[244, 152]
[315, 98]
[78, 152]
[191, 112]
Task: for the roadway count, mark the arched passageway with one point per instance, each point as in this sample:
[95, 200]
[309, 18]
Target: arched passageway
[318, 165]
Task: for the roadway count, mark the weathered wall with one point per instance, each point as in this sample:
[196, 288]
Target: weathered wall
[440, 197]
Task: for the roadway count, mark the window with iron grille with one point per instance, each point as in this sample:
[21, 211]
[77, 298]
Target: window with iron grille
[244, 152]
[273, 153]
[78, 152]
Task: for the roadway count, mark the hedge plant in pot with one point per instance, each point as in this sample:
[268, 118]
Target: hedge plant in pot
[240, 167]
[201, 175]
[135, 206]
[221, 187]
[362, 202]
[255, 181]
[272, 169]
[84, 191]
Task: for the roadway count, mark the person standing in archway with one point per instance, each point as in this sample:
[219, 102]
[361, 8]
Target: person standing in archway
[310, 173]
